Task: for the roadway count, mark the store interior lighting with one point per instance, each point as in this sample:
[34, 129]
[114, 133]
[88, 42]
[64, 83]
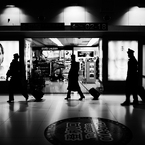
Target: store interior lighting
[56, 41]
[93, 41]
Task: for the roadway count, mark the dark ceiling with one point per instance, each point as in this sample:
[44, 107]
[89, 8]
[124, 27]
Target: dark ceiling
[50, 6]
[62, 3]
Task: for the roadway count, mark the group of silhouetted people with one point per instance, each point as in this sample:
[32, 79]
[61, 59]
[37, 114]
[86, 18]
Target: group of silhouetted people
[131, 79]
[16, 83]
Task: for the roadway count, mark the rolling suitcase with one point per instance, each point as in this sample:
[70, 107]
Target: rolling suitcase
[93, 92]
[141, 93]
[37, 95]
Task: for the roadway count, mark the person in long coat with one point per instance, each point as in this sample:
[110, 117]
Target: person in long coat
[73, 75]
[132, 79]
[15, 83]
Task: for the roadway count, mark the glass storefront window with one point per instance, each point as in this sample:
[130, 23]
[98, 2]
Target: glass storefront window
[54, 62]
[118, 58]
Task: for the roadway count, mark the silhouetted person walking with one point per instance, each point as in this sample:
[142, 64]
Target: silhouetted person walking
[73, 84]
[15, 83]
[132, 79]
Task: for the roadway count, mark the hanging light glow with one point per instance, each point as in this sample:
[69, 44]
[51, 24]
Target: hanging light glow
[56, 41]
[93, 41]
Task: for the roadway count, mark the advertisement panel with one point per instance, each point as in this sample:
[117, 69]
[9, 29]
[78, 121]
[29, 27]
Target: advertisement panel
[7, 49]
[118, 58]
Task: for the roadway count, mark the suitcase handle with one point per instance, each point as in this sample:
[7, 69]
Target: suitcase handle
[84, 86]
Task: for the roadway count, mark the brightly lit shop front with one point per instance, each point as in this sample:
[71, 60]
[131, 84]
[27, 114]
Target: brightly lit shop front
[52, 57]
[104, 61]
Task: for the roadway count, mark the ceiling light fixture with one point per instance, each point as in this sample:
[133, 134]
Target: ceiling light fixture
[93, 41]
[56, 41]
[10, 6]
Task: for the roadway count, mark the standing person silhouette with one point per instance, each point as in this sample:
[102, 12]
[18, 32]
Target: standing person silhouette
[15, 83]
[73, 84]
[132, 79]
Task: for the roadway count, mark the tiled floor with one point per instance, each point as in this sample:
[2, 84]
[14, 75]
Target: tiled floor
[61, 87]
[24, 123]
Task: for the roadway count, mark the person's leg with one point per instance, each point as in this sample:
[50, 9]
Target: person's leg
[135, 101]
[81, 94]
[11, 96]
[68, 94]
[11, 91]
[128, 91]
[23, 88]
[135, 97]
[25, 94]
[127, 100]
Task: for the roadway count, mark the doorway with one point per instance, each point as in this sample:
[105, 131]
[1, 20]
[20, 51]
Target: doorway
[53, 60]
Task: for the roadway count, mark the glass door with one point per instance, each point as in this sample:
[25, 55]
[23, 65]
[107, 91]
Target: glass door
[54, 62]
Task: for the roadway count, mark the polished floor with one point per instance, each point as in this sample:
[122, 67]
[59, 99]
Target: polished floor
[24, 123]
[61, 87]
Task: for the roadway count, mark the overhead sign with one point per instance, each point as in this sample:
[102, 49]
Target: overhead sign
[89, 26]
[42, 26]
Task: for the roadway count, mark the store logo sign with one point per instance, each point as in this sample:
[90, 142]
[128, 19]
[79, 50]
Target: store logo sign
[87, 130]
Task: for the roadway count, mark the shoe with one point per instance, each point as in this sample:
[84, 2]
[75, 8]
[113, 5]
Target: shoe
[10, 101]
[126, 103]
[27, 99]
[81, 98]
[95, 99]
[67, 98]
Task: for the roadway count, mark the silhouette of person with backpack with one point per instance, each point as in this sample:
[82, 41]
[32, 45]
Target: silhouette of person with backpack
[15, 83]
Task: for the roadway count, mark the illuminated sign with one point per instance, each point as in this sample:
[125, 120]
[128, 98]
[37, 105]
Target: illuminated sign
[42, 26]
[118, 58]
[89, 26]
[85, 53]
[87, 130]
[7, 49]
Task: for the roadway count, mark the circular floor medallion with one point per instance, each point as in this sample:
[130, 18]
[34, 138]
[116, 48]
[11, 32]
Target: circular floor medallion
[87, 131]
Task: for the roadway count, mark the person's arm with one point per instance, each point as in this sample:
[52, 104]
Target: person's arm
[7, 75]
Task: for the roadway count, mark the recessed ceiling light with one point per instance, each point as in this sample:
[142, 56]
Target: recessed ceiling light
[10, 6]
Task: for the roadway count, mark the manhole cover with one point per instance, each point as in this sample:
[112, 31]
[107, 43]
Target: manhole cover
[87, 131]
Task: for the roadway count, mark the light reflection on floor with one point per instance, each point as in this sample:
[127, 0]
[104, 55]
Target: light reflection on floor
[24, 123]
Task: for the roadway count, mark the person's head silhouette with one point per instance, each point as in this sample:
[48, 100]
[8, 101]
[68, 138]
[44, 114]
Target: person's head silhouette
[16, 56]
[130, 52]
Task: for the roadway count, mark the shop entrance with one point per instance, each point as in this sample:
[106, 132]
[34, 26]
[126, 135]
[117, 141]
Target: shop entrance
[53, 61]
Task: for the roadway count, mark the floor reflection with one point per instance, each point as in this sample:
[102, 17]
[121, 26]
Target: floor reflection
[24, 123]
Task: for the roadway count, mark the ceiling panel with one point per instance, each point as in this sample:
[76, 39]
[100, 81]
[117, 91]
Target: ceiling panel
[41, 42]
